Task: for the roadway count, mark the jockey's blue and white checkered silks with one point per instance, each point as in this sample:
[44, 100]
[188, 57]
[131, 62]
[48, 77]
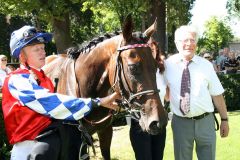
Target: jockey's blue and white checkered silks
[24, 88]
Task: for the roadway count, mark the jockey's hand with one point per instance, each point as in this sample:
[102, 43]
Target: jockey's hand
[108, 101]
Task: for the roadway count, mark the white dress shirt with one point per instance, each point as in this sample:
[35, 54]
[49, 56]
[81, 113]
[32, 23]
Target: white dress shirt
[204, 84]
[161, 85]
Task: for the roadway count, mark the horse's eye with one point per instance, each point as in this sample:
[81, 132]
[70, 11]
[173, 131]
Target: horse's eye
[134, 69]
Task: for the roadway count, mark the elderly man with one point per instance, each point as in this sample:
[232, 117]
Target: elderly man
[192, 85]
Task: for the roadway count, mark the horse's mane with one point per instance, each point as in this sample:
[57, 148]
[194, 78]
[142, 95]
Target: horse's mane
[86, 47]
[160, 55]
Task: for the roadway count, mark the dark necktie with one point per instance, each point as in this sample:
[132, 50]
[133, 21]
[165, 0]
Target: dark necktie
[185, 90]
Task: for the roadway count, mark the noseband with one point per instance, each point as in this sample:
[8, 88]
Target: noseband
[128, 102]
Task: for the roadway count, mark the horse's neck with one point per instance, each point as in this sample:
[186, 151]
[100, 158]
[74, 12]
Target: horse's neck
[67, 79]
[62, 68]
[93, 67]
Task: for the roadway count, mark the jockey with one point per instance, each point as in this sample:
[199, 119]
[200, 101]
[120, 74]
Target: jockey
[36, 118]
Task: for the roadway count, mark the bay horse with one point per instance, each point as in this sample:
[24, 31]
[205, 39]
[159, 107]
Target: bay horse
[122, 62]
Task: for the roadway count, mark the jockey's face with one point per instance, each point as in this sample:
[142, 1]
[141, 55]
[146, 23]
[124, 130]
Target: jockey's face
[34, 55]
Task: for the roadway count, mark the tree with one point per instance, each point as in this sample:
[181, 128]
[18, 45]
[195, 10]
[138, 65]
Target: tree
[74, 21]
[233, 7]
[178, 13]
[217, 35]
[57, 14]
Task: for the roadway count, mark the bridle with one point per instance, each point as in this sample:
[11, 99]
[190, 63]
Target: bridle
[128, 97]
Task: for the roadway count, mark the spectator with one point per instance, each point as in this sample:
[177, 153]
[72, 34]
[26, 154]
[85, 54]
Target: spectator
[192, 86]
[11, 67]
[210, 59]
[4, 70]
[238, 59]
[223, 54]
[231, 64]
[39, 123]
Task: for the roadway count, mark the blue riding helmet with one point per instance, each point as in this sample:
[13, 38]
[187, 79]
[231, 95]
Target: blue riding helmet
[24, 36]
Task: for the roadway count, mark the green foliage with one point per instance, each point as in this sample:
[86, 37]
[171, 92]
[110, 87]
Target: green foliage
[217, 35]
[111, 14]
[7, 26]
[4, 47]
[178, 13]
[233, 7]
[231, 84]
[94, 17]
[5, 147]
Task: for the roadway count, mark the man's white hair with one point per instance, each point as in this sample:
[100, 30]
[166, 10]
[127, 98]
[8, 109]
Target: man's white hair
[181, 31]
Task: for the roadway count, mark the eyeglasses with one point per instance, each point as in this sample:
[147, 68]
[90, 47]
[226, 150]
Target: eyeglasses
[188, 40]
[3, 59]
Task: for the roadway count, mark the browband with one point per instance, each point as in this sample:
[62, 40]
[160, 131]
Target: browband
[133, 46]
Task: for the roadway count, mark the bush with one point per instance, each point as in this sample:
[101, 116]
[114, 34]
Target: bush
[231, 84]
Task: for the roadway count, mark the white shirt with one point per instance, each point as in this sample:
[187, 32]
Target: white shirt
[161, 85]
[204, 84]
[3, 74]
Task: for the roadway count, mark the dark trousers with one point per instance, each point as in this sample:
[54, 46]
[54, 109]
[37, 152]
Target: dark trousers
[146, 146]
[62, 144]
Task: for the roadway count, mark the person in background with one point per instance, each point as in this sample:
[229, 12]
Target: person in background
[219, 58]
[39, 123]
[223, 54]
[231, 63]
[238, 59]
[192, 86]
[209, 57]
[4, 70]
[11, 67]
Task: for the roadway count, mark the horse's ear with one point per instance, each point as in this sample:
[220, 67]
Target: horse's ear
[128, 28]
[149, 32]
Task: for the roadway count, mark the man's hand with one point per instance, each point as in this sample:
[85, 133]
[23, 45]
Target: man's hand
[224, 129]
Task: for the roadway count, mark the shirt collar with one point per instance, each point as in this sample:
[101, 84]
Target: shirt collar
[179, 58]
[24, 67]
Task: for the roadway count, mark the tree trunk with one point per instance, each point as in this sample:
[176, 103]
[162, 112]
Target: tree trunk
[61, 32]
[158, 10]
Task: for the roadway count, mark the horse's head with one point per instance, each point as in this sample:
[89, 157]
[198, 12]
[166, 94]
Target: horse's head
[135, 77]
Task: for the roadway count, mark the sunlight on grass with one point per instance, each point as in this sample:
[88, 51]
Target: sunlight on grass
[227, 148]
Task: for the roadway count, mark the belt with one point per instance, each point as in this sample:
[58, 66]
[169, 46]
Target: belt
[196, 117]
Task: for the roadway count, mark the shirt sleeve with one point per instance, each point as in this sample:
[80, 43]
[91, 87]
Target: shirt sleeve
[215, 86]
[24, 88]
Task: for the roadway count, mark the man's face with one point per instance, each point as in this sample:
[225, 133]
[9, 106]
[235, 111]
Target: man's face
[3, 61]
[226, 51]
[187, 45]
[35, 55]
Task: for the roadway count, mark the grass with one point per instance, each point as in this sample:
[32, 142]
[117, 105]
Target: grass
[227, 148]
